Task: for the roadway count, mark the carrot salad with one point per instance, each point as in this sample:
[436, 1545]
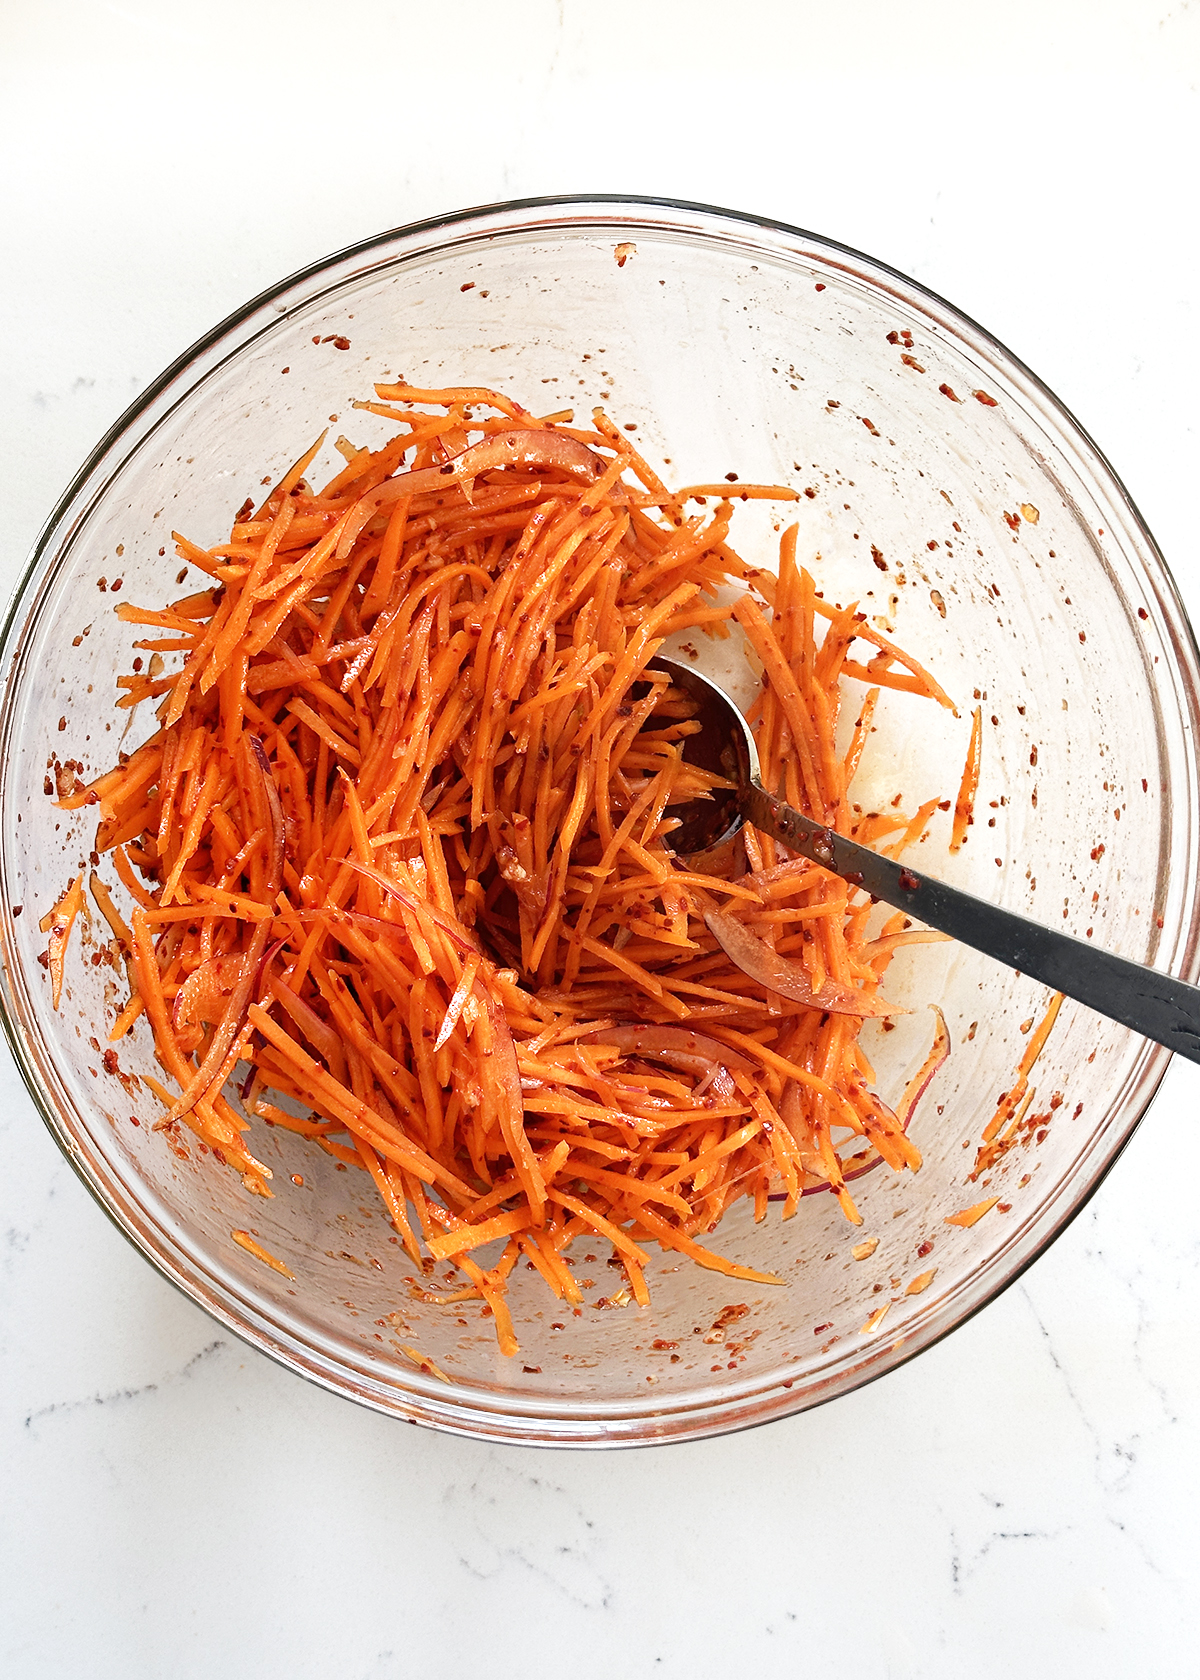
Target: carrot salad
[399, 852]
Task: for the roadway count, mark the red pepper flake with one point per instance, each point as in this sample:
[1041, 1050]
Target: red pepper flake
[869, 425]
[893, 338]
[532, 1370]
[1142, 613]
[912, 362]
[925, 1248]
[877, 557]
[1013, 521]
[820, 286]
[1097, 854]
[908, 881]
[947, 392]
[818, 1329]
[982, 396]
[467, 286]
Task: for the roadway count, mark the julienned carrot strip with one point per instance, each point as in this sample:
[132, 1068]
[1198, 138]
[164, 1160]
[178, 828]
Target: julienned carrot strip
[246, 1241]
[109, 911]
[58, 923]
[964, 805]
[402, 843]
[127, 1018]
[292, 477]
[467, 1237]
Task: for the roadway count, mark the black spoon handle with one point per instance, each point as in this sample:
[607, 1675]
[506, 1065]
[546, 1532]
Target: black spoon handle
[1153, 1004]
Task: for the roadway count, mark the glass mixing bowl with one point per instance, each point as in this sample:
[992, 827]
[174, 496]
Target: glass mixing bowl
[946, 490]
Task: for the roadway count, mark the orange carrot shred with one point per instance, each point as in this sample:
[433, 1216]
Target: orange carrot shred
[399, 851]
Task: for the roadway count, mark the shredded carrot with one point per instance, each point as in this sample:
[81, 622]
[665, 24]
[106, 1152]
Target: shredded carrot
[58, 923]
[246, 1241]
[401, 852]
[1008, 1124]
[964, 805]
[972, 1215]
[422, 1361]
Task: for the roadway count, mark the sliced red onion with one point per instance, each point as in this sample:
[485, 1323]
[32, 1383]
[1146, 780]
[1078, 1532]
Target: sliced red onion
[939, 1051]
[790, 979]
[204, 996]
[677, 1047]
[505, 449]
[454, 931]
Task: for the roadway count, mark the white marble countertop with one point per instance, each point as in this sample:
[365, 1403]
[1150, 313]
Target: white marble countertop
[1024, 1497]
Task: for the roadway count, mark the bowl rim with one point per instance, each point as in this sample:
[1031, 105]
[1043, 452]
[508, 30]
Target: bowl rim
[464, 1413]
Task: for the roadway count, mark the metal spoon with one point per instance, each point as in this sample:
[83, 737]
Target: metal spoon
[1156, 1005]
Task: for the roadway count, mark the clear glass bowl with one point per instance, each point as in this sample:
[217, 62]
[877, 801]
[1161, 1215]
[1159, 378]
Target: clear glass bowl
[1009, 559]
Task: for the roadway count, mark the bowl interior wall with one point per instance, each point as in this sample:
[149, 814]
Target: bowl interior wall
[965, 530]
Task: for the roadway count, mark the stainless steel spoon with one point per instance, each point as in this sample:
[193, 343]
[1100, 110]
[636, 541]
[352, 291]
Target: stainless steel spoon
[1156, 1005]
